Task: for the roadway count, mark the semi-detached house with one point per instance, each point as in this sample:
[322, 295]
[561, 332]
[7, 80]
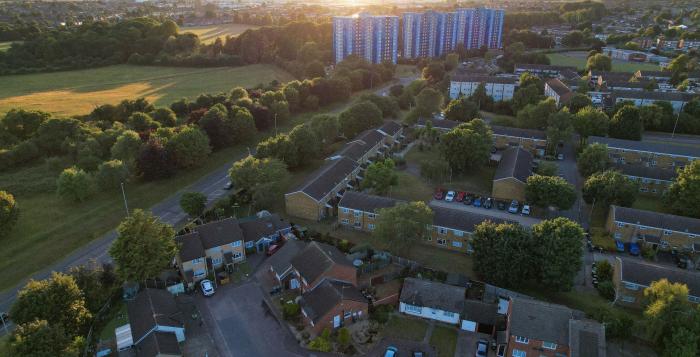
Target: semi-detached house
[658, 230]
[632, 276]
[432, 300]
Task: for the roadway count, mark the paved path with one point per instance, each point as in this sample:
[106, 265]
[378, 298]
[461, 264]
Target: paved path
[526, 221]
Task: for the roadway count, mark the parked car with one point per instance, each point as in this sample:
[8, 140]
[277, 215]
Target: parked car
[460, 196]
[477, 201]
[489, 203]
[468, 199]
[482, 348]
[634, 249]
[391, 351]
[526, 210]
[501, 205]
[418, 354]
[207, 287]
[560, 157]
[450, 196]
[514, 206]
[228, 186]
[273, 249]
[439, 194]
[619, 246]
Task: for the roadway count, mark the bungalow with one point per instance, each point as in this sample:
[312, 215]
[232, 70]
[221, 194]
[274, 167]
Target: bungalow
[666, 155]
[651, 180]
[511, 175]
[554, 88]
[318, 262]
[432, 300]
[661, 230]
[260, 232]
[453, 228]
[156, 324]
[498, 88]
[632, 276]
[332, 305]
[359, 210]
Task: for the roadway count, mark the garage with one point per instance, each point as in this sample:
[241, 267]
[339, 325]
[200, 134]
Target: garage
[479, 317]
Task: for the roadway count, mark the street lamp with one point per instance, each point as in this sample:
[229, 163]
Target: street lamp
[126, 206]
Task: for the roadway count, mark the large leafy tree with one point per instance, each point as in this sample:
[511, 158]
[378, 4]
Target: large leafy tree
[670, 317]
[75, 184]
[242, 124]
[9, 212]
[626, 124]
[591, 121]
[380, 176]
[143, 248]
[262, 179]
[279, 147]
[193, 203]
[40, 339]
[559, 129]
[526, 95]
[498, 248]
[578, 101]
[142, 122]
[306, 143]
[215, 124]
[189, 147]
[360, 116]
[545, 191]
[610, 188]
[154, 162]
[599, 62]
[594, 158]
[461, 109]
[684, 192]
[559, 252]
[326, 127]
[536, 115]
[428, 102]
[402, 226]
[23, 124]
[56, 135]
[126, 147]
[467, 146]
[110, 174]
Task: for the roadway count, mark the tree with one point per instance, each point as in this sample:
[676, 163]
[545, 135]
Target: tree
[434, 72]
[326, 127]
[193, 203]
[467, 146]
[526, 95]
[402, 226]
[388, 105]
[594, 158]
[599, 62]
[54, 134]
[380, 176]
[668, 309]
[97, 283]
[536, 115]
[57, 300]
[610, 187]
[529, 79]
[461, 109]
[9, 212]
[314, 69]
[547, 168]
[39, 339]
[559, 129]
[215, 124]
[481, 98]
[359, 117]
[126, 147]
[259, 178]
[144, 247]
[242, 124]
[23, 124]
[428, 102]
[279, 147]
[590, 121]
[74, 184]
[189, 147]
[322, 343]
[500, 247]
[559, 252]
[305, 141]
[573, 39]
[684, 192]
[578, 101]
[545, 191]
[683, 342]
[451, 61]
[110, 174]
[344, 338]
[142, 122]
[154, 161]
[626, 124]
[165, 116]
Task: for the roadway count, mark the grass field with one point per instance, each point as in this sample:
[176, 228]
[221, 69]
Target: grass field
[576, 60]
[3, 346]
[406, 328]
[78, 92]
[209, 34]
[4, 46]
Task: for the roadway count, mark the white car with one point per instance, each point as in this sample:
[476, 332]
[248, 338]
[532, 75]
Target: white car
[513, 207]
[450, 196]
[207, 287]
[526, 210]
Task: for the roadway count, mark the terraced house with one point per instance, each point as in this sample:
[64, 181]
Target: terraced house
[453, 228]
[666, 155]
[511, 175]
[359, 210]
[498, 88]
[665, 231]
[652, 181]
[632, 276]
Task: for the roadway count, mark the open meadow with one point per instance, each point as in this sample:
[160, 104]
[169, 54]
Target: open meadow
[578, 59]
[4, 46]
[209, 34]
[79, 92]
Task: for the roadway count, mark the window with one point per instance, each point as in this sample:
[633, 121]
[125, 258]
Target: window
[519, 353]
[519, 339]
[371, 215]
[345, 221]
[236, 244]
[216, 261]
[249, 244]
[201, 272]
[457, 244]
[358, 213]
[694, 299]
[631, 286]
[412, 309]
[346, 211]
[628, 298]
[197, 261]
[667, 232]
[370, 227]
[549, 345]
[441, 242]
[459, 233]
[447, 313]
[618, 235]
[620, 225]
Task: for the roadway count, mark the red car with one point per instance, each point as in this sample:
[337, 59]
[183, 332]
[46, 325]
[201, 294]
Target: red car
[273, 249]
[460, 196]
[439, 194]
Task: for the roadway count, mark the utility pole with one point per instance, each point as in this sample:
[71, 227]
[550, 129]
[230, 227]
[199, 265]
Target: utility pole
[275, 124]
[678, 116]
[126, 205]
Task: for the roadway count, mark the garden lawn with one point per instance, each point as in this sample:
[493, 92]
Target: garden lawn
[119, 318]
[80, 91]
[208, 34]
[405, 328]
[564, 59]
[444, 339]
[4, 350]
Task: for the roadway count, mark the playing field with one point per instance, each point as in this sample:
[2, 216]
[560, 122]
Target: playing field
[78, 92]
[578, 59]
[209, 34]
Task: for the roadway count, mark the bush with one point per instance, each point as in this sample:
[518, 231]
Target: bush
[606, 289]
[24, 153]
[9, 212]
[75, 184]
[604, 270]
[110, 174]
[58, 163]
[380, 313]
[291, 311]
[322, 343]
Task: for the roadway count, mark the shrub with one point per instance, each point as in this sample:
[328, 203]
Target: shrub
[75, 184]
[290, 311]
[322, 343]
[9, 212]
[606, 289]
[110, 174]
[604, 270]
[380, 313]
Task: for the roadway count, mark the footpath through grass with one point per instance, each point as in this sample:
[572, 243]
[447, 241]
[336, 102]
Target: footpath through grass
[208, 34]
[79, 92]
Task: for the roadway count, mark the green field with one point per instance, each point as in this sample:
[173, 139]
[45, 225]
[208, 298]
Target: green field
[78, 92]
[4, 46]
[209, 34]
[579, 61]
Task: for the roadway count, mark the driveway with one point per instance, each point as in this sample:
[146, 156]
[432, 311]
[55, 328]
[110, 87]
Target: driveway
[466, 343]
[405, 348]
[493, 212]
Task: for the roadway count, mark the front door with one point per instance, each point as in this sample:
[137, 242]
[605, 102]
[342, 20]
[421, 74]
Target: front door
[336, 321]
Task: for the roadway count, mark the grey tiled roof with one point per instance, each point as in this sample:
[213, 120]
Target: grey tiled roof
[479, 311]
[390, 127]
[282, 260]
[643, 273]
[323, 180]
[444, 124]
[518, 132]
[316, 259]
[371, 137]
[319, 301]
[586, 338]
[190, 246]
[666, 147]
[262, 227]
[643, 94]
[538, 320]
[483, 79]
[365, 202]
[353, 150]
[653, 173]
[158, 344]
[426, 293]
[558, 87]
[464, 221]
[152, 307]
[515, 162]
[656, 219]
[216, 234]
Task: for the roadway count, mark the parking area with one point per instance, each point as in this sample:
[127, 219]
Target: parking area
[466, 343]
[405, 348]
[526, 221]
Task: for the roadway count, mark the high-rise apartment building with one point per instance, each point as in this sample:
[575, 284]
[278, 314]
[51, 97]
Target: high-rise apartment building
[374, 38]
[432, 34]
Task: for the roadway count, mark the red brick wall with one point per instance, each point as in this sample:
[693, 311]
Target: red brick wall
[534, 348]
[339, 310]
[337, 272]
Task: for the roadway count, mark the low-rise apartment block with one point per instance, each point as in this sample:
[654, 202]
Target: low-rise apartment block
[511, 175]
[652, 181]
[360, 210]
[665, 155]
[554, 88]
[662, 230]
[641, 98]
[498, 88]
[453, 228]
[543, 70]
[632, 276]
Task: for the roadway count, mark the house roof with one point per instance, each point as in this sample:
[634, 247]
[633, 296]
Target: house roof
[257, 228]
[666, 147]
[390, 127]
[569, 74]
[643, 94]
[218, 233]
[461, 220]
[643, 273]
[654, 173]
[543, 67]
[365, 202]
[371, 137]
[655, 219]
[329, 294]
[316, 259]
[627, 84]
[520, 133]
[190, 246]
[607, 76]
[658, 74]
[353, 150]
[558, 87]
[158, 343]
[481, 78]
[282, 260]
[480, 312]
[586, 338]
[426, 293]
[515, 162]
[323, 180]
[152, 307]
[444, 124]
[538, 320]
